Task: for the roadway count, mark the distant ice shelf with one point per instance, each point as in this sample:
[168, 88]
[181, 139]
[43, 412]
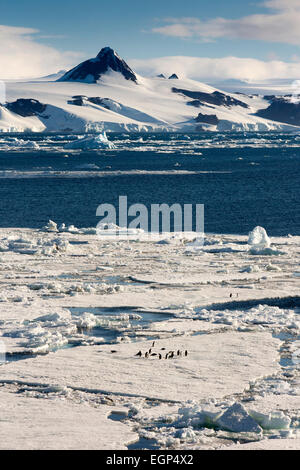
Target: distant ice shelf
[104, 94]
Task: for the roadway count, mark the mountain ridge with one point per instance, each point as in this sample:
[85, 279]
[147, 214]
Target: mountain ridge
[91, 70]
[105, 94]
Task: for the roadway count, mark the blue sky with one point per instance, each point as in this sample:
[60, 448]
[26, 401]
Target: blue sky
[141, 30]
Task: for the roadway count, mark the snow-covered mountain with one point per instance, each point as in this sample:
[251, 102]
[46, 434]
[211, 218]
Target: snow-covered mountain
[104, 94]
[92, 70]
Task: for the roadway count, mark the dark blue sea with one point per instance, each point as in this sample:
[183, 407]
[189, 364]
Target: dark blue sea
[243, 179]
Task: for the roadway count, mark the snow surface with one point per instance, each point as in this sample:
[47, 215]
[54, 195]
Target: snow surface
[268, 444]
[73, 425]
[76, 309]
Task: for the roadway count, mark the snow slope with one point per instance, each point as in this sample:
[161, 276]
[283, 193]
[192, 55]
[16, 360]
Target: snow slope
[119, 104]
[283, 86]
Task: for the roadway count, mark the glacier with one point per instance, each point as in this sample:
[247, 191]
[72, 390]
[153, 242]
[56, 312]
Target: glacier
[104, 94]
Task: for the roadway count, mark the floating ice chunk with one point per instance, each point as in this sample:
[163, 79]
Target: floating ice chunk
[55, 318]
[87, 321]
[259, 237]
[170, 241]
[250, 269]
[72, 229]
[187, 433]
[89, 231]
[198, 416]
[236, 419]
[31, 145]
[273, 420]
[51, 227]
[260, 243]
[27, 144]
[95, 142]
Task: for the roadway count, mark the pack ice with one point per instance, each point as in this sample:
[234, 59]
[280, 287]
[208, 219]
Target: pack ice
[178, 345]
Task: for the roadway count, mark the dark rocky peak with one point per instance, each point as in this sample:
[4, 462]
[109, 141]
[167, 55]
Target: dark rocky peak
[173, 77]
[91, 70]
[26, 107]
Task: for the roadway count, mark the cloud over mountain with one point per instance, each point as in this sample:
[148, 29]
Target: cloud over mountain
[23, 56]
[280, 24]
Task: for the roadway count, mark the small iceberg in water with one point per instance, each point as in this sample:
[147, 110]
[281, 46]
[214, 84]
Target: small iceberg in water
[260, 243]
[99, 141]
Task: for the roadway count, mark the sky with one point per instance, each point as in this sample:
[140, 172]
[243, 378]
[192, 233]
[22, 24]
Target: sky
[232, 39]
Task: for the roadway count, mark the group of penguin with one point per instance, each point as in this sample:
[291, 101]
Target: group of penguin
[162, 355]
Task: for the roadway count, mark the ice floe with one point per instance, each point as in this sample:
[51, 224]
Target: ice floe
[70, 297]
[89, 143]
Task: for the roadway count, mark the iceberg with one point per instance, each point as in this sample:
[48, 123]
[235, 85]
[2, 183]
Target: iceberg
[236, 419]
[259, 238]
[89, 143]
[51, 227]
[260, 243]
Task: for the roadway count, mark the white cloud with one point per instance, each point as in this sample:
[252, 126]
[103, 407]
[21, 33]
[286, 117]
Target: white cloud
[282, 4]
[204, 68]
[22, 56]
[281, 24]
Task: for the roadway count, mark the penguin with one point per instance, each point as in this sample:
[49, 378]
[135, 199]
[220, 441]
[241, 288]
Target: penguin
[153, 344]
[159, 356]
[139, 354]
[186, 353]
[146, 355]
[178, 353]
